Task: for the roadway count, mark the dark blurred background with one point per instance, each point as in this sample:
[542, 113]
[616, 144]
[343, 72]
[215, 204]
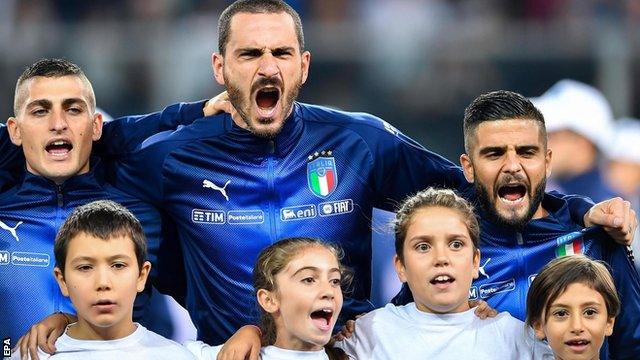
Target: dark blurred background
[416, 63]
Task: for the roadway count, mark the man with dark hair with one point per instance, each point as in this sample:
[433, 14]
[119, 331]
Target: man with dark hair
[522, 228]
[54, 127]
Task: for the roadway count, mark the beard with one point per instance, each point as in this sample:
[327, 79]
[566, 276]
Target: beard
[489, 208]
[243, 105]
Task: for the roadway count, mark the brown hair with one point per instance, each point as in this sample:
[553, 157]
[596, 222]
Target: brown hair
[558, 274]
[103, 219]
[255, 7]
[274, 259]
[52, 68]
[431, 197]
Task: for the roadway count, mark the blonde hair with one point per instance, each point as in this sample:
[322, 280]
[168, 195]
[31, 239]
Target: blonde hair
[432, 197]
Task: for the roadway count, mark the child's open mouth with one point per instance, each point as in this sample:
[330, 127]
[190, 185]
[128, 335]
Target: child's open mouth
[442, 281]
[322, 318]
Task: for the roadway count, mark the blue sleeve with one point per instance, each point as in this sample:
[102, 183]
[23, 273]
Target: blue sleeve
[125, 134]
[625, 341]
[11, 160]
[403, 167]
[578, 206]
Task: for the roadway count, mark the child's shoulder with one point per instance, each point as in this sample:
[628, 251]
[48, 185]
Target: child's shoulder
[503, 323]
[166, 347]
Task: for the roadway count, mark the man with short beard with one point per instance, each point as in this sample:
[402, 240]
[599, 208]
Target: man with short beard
[522, 228]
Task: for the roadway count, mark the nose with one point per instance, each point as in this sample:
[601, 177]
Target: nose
[512, 163]
[327, 290]
[103, 279]
[268, 66]
[576, 324]
[441, 255]
[57, 121]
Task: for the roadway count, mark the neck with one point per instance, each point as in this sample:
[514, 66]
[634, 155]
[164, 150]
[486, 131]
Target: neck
[83, 330]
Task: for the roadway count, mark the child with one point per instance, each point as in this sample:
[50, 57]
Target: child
[100, 264]
[437, 255]
[297, 283]
[572, 303]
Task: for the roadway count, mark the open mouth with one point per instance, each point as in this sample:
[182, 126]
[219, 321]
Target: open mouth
[578, 344]
[442, 281]
[322, 318]
[267, 98]
[58, 148]
[512, 192]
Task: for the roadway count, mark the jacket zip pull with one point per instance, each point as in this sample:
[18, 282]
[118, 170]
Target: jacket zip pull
[59, 195]
[272, 147]
[519, 238]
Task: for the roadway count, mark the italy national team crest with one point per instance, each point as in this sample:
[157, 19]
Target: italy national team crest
[321, 174]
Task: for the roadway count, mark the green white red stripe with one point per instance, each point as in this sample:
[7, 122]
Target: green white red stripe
[574, 247]
[322, 185]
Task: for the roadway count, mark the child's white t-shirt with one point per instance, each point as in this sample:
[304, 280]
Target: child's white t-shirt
[141, 344]
[404, 332]
[203, 351]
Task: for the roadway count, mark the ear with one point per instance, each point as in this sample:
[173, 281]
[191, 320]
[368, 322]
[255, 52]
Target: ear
[476, 264]
[142, 277]
[97, 126]
[57, 273]
[547, 162]
[14, 131]
[217, 63]
[538, 329]
[608, 330]
[268, 300]
[306, 61]
[467, 167]
[400, 269]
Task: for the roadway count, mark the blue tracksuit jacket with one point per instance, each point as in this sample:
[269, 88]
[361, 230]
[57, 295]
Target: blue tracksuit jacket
[230, 194]
[32, 211]
[511, 259]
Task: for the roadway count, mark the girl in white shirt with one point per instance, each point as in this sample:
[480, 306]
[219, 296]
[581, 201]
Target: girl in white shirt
[297, 283]
[437, 255]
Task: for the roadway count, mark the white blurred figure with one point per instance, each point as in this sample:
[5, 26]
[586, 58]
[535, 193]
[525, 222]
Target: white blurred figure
[579, 123]
[623, 168]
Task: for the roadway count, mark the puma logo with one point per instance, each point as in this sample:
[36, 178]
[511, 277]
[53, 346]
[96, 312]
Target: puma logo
[481, 268]
[10, 229]
[211, 185]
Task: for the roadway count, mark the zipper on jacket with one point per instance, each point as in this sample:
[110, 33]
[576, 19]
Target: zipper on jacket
[270, 180]
[58, 224]
[522, 292]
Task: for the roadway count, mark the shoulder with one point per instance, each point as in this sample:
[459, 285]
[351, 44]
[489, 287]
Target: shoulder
[505, 325]
[164, 346]
[203, 128]
[359, 122]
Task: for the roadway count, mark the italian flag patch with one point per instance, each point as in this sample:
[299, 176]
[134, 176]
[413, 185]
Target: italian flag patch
[572, 248]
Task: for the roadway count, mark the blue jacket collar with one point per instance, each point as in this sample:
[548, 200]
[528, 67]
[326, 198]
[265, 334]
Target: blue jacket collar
[89, 181]
[280, 146]
[557, 223]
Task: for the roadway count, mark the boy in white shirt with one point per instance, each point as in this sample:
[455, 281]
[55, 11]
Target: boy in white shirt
[100, 252]
[437, 255]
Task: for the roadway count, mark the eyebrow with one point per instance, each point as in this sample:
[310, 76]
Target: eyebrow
[262, 49]
[47, 104]
[111, 258]
[590, 303]
[519, 148]
[315, 269]
[71, 101]
[40, 102]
